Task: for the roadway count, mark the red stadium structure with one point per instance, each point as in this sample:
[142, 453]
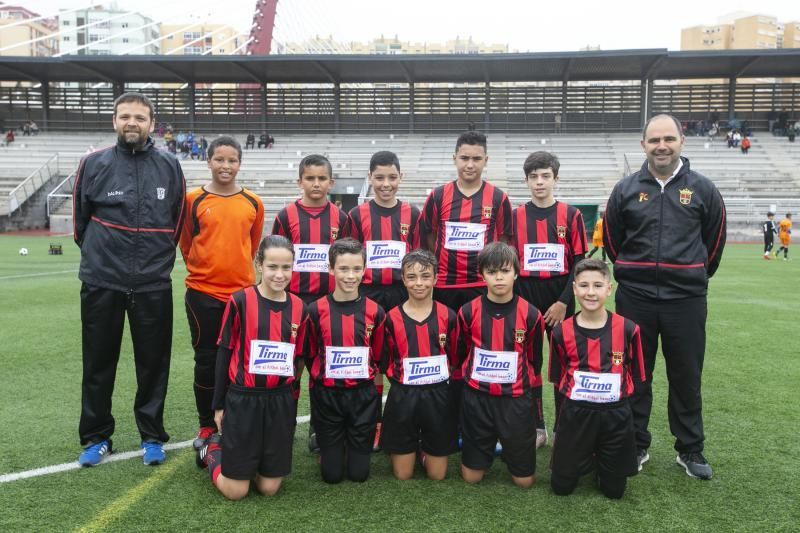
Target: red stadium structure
[261, 30]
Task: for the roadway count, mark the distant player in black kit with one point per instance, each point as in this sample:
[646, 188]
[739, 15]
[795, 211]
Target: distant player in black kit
[770, 229]
[500, 342]
[421, 338]
[595, 358]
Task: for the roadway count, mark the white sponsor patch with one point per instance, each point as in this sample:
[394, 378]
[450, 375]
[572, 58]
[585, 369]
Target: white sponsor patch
[269, 358]
[385, 254]
[494, 367]
[425, 370]
[351, 362]
[311, 257]
[595, 387]
[464, 236]
[547, 257]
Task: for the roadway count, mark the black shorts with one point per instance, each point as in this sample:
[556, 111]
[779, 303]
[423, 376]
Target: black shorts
[543, 293]
[258, 432]
[594, 433]
[348, 415]
[486, 419]
[456, 297]
[419, 413]
[387, 296]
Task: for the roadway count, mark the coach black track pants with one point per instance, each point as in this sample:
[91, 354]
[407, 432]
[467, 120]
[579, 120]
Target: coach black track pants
[681, 324]
[102, 322]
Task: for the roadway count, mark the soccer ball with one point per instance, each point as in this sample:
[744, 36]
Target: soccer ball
[23, 251]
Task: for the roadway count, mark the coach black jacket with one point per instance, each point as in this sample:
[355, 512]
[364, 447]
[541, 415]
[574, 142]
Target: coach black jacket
[127, 214]
[665, 245]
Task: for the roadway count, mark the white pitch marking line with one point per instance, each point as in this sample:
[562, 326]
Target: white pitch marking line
[17, 276]
[65, 467]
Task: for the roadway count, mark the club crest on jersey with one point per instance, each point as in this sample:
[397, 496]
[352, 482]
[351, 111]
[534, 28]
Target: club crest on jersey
[561, 231]
[519, 336]
[295, 327]
[487, 211]
[616, 358]
[442, 340]
[161, 193]
[334, 233]
[642, 197]
[685, 196]
[404, 229]
[369, 329]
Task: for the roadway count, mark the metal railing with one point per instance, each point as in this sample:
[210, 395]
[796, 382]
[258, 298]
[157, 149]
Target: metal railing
[60, 194]
[20, 194]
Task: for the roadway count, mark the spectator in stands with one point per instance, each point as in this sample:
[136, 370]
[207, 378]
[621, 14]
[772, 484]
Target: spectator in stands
[186, 148]
[729, 138]
[557, 122]
[10, 137]
[128, 208]
[195, 148]
[745, 145]
[251, 141]
[270, 141]
[737, 138]
[203, 148]
[181, 138]
[791, 134]
[168, 136]
[262, 140]
[190, 137]
[26, 128]
[34, 128]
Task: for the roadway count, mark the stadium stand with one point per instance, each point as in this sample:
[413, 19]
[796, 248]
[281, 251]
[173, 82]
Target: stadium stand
[590, 165]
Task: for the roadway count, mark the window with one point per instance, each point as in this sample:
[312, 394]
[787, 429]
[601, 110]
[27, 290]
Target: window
[65, 23]
[125, 40]
[124, 24]
[66, 38]
[93, 37]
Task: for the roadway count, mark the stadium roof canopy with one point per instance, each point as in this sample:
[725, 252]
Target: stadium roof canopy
[648, 64]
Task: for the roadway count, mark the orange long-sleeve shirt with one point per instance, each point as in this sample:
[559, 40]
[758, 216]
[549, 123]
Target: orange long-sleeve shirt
[219, 240]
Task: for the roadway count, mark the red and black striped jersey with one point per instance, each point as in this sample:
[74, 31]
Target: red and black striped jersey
[457, 222]
[333, 325]
[615, 348]
[250, 317]
[372, 222]
[487, 331]
[407, 338]
[301, 226]
[560, 226]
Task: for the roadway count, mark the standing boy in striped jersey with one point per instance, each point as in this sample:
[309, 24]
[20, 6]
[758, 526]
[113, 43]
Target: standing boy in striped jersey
[421, 338]
[501, 345]
[389, 228]
[595, 358]
[221, 232]
[312, 223]
[345, 343]
[460, 218]
[550, 238]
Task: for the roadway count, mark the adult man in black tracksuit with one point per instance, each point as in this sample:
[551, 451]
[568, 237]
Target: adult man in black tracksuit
[664, 228]
[769, 228]
[128, 204]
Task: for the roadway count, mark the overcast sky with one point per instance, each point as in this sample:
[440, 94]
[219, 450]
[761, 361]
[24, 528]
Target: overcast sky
[525, 25]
